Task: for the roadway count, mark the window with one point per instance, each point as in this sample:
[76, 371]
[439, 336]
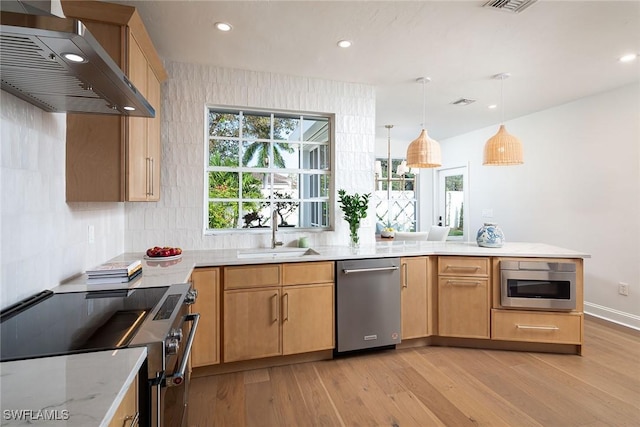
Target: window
[395, 198]
[261, 163]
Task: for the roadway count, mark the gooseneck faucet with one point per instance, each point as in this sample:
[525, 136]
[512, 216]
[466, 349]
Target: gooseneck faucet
[274, 228]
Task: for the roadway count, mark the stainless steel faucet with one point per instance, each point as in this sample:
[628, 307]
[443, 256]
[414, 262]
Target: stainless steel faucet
[274, 228]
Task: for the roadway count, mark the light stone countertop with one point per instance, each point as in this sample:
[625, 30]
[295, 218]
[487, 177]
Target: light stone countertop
[163, 273]
[85, 388]
[61, 373]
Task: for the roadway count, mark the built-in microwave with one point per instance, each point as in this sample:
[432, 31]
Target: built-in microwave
[538, 285]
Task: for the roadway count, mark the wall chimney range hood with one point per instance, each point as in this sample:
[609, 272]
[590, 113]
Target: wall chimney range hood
[37, 44]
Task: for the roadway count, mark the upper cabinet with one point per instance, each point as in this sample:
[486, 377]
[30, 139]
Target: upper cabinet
[117, 158]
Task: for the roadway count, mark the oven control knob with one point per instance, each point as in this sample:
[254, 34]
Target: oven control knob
[176, 333]
[191, 296]
[172, 346]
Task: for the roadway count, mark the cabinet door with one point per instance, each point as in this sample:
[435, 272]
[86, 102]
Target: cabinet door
[463, 307]
[206, 345]
[251, 324]
[128, 408]
[307, 318]
[414, 300]
[137, 159]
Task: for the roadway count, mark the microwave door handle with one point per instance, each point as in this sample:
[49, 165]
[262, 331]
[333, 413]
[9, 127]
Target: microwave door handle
[177, 378]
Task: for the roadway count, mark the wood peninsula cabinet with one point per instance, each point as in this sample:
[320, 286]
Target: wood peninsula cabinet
[117, 158]
[277, 309]
[127, 411]
[538, 326]
[414, 296]
[464, 297]
[206, 345]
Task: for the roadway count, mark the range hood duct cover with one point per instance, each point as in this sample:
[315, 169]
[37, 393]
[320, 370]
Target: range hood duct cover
[32, 67]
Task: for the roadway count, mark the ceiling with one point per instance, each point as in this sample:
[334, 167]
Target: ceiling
[556, 51]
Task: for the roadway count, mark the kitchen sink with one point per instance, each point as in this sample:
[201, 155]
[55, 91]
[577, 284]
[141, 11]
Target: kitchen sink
[276, 253]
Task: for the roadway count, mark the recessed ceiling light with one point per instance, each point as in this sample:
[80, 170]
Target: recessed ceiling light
[74, 57]
[223, 26]
[628, 58]
[344, 43]
[492, 106]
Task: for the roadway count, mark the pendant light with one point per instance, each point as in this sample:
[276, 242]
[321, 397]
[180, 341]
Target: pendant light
[502, 149]
[424, 152]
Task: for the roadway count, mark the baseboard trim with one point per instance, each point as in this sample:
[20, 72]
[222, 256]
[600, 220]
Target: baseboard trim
[615, 316]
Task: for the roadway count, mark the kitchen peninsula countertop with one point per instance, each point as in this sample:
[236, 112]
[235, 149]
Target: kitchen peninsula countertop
[162, 273]
[85, 388]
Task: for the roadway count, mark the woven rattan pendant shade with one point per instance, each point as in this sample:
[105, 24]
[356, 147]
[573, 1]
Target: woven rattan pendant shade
[503, 149]
[424, 152]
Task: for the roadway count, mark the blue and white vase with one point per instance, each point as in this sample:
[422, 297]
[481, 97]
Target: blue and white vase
[490, 236]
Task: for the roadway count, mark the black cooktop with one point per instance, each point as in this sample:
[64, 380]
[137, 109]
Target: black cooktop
[66, 323]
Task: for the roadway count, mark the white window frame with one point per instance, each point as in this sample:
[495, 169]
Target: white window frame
[306, 172]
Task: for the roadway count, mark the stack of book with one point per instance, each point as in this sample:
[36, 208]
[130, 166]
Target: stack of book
[115, 272]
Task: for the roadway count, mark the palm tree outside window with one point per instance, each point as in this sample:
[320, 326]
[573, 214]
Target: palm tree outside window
[261, 162]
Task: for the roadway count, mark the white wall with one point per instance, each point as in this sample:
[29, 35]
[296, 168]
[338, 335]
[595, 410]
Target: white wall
[579, 188]
[177, 219]
[44, 239]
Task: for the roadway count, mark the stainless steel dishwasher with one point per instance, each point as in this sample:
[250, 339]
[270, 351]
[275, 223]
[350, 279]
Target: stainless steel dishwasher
[367, 303]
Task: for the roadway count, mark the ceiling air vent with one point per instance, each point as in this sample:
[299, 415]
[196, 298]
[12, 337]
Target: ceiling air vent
[515, 6]
[464, 101]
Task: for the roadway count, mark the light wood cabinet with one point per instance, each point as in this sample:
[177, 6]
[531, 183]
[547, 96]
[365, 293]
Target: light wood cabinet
[206, 345]
[545, 327]
[127, 411]
[277, 309]
[117, 158]
[414, 296]
[251, 324]
[464, 298]
[307, 320]
[538, 326]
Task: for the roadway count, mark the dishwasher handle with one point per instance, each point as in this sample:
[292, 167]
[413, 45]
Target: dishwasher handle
[364, 270]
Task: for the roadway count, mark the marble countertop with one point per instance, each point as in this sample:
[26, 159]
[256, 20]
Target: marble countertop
[76, 390]
[163, 273]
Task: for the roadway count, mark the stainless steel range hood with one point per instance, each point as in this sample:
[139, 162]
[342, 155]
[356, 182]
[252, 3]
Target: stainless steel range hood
[33, 64]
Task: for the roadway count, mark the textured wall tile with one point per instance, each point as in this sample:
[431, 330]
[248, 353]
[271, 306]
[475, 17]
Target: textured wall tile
[190, 88]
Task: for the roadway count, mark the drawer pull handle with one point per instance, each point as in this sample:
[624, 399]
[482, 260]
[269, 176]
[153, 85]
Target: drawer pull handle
[463, 267]
[457, 283]
[539, 328]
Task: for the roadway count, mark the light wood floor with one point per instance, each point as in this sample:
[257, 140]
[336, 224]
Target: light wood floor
[436, 386]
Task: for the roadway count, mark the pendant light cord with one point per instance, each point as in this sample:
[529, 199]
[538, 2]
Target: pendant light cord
[424, 102]
[502, 97]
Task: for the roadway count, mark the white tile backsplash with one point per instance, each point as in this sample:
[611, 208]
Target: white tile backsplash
[178, 218]
[44, 239]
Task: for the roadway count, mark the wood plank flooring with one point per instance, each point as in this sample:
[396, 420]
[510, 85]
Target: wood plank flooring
[436, 386]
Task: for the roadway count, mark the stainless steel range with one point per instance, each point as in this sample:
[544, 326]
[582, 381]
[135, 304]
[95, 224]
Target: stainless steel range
[52, 324]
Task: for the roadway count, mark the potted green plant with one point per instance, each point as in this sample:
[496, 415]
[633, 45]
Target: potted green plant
[354, 207]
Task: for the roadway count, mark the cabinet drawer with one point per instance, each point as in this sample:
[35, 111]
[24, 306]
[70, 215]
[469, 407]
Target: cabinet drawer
[251, 276]
[561, 328]
[463, 266]
[307, 272]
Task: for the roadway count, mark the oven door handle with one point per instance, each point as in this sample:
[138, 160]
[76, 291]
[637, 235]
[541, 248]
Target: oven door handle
[177, 378]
